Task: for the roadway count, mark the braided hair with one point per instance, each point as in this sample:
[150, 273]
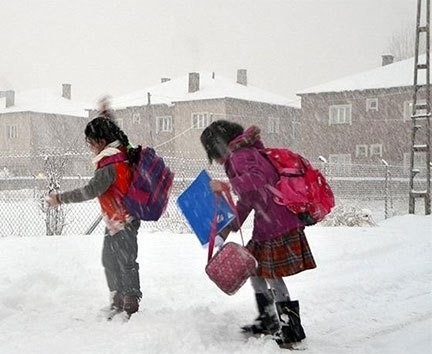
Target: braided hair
[103, 128]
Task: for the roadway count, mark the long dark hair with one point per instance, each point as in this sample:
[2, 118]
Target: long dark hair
[103, 128]
[217, 135]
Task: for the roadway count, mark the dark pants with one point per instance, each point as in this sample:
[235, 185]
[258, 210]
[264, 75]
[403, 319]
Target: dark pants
[119, 256]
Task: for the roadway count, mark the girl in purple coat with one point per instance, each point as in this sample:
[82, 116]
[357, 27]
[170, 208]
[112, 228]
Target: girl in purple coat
[278, 241]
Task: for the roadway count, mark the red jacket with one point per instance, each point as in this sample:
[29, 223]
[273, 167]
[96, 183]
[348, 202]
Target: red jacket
[111, 200]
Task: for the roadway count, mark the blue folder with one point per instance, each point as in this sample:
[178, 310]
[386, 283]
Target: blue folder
[198, 205]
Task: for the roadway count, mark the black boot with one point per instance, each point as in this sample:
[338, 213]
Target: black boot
[116, 301]
[131, 304]
[267, 321]
[291, 328]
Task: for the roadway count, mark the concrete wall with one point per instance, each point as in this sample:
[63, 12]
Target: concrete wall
[38, 134]
[22, 143]
[186, 140]
[385, 126]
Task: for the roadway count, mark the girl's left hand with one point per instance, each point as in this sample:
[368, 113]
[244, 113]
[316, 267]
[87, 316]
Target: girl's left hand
[52, 200]
[219, 241]
[217, 186]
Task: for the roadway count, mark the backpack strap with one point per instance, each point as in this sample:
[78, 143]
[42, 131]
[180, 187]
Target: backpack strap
[213, 230]
[282, 198]
[291, 172]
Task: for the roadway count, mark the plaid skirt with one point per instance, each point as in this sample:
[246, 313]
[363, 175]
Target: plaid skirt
[286, 255]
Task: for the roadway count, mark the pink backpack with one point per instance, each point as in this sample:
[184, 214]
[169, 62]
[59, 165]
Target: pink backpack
[301, 188]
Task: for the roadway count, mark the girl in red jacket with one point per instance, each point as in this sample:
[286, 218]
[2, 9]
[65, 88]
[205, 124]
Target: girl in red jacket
[109, 184]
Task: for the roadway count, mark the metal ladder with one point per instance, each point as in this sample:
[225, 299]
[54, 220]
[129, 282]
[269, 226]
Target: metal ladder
[421, 113]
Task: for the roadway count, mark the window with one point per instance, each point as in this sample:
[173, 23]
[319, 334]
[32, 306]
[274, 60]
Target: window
[376, 150]
[164, 124]
[340, 164]
[273, 125]
[361, 150]
[201, 120]
[408, 109]
[12, 131]
[136, 118]
[419, 160]
[372, 104]
[340, 114]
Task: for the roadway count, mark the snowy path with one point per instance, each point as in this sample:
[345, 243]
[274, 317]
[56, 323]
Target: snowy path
[371, 293]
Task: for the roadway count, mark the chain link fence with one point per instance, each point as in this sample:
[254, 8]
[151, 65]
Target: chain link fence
[382, 189]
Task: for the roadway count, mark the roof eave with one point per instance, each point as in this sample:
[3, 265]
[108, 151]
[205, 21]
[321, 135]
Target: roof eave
[355, 90]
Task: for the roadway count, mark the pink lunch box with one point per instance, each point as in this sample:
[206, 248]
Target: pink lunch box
[231, 267]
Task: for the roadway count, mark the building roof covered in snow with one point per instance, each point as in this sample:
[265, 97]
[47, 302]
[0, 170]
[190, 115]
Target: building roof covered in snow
[399, 74]
[210, 87]
[48, 100]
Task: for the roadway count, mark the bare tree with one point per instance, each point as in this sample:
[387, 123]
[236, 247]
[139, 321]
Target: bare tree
[56, 146]
[54, 217]
[402, 43]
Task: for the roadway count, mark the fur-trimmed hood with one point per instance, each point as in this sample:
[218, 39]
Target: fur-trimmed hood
[251, 137]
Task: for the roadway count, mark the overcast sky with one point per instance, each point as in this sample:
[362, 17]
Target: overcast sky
[119, 46]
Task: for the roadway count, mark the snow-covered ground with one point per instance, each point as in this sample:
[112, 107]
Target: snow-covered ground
[371, 293]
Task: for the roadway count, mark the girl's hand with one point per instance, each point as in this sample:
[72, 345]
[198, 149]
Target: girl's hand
[217, 186]
[52, 200]
[219, 241]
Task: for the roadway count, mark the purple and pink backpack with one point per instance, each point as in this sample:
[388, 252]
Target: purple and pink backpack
[148, 194]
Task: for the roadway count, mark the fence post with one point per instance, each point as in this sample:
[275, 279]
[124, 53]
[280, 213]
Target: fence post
[34, 186]
[387, 188]
[325, 164]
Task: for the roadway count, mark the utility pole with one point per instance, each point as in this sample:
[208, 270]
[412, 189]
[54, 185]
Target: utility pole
[421, 113]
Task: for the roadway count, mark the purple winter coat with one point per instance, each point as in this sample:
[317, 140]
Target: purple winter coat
[249, 172]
